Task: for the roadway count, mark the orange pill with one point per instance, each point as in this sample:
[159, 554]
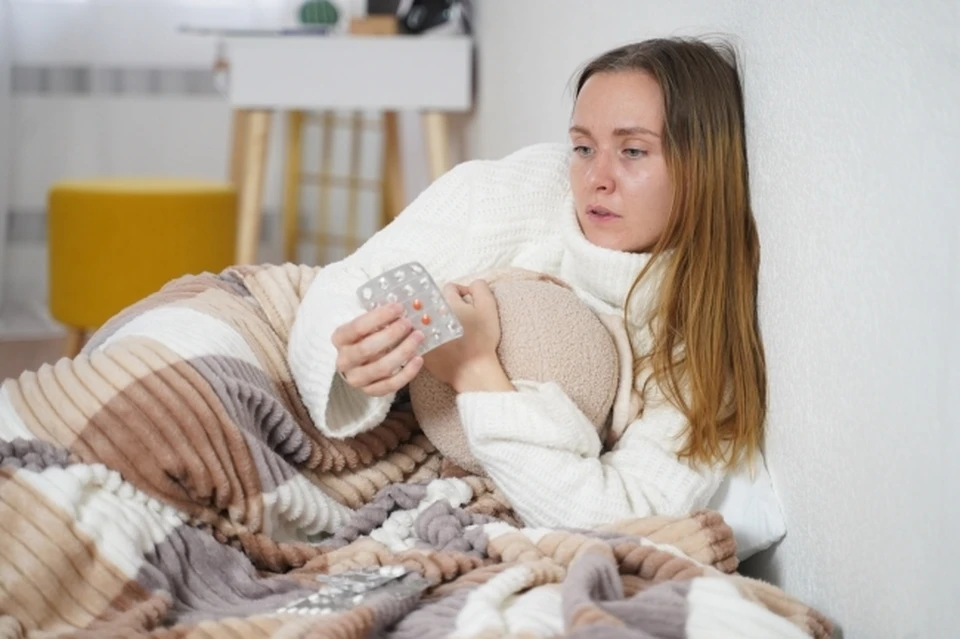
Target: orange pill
[417, 305]
[425, 320]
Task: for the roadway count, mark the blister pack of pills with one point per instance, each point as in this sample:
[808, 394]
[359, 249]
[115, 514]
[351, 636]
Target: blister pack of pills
[423, 304]
[347, 590]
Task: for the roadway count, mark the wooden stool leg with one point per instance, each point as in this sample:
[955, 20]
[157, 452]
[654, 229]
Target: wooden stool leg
[74, 342]
[391, 200]
[438, 146]
[291, 185]
[353, 194]
[238, 145]
[256, 140]
[329, 124]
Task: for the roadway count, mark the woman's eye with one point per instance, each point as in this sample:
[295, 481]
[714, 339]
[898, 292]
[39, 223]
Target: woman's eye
[582, 151]
[634, 153]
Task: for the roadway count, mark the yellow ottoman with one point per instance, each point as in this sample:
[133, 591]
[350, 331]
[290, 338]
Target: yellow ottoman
[113, 242]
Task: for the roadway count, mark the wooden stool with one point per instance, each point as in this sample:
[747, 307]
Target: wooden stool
[113, 242]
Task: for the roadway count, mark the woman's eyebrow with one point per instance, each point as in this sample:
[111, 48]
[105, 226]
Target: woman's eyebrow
[634, 130]
[620, 132]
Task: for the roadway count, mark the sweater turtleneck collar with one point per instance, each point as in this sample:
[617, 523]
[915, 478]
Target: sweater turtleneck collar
[604, 273]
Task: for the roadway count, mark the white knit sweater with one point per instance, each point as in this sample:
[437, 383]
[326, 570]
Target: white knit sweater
[535, 443]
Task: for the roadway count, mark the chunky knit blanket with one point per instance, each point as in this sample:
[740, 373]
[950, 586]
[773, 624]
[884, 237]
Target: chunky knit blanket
[168, 482]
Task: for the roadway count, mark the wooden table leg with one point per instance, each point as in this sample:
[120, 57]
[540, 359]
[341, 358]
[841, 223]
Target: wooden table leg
[352, 239]
[74, 342]
[322, 237]
[392, 193]
[438, 144]
[256, 138]
[238, 145]
[291, 185]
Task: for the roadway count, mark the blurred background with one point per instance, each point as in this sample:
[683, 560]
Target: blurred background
[265, 130]
[110, 88]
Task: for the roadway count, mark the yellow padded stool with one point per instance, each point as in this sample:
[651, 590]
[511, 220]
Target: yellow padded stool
[113, 242]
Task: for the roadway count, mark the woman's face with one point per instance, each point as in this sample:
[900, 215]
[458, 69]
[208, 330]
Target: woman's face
[619, 176]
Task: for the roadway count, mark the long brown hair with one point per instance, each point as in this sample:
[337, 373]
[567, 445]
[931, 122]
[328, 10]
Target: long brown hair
[707, 353]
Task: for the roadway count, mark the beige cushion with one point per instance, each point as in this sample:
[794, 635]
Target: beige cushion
[548, 334]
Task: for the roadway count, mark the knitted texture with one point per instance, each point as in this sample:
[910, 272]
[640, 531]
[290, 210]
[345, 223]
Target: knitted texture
[539, 447]
[169, 482]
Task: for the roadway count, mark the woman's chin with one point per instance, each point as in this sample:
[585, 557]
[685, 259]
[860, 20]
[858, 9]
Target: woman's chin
[607, 241]
[603, 234]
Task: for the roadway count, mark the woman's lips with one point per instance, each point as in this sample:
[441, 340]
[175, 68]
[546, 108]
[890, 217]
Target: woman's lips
[601, 214]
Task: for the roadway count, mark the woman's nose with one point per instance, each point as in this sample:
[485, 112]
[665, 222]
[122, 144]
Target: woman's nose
[601, 174]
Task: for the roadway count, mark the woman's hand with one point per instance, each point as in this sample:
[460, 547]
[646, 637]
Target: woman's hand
[471, 362]
[376, 352]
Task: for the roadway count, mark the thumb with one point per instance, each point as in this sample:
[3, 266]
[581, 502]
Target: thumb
[453, 294]
[483, 297]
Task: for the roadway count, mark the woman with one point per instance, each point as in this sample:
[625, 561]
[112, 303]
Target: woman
[645, 212]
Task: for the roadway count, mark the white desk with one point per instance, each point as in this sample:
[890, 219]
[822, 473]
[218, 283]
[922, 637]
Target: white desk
[302, 72]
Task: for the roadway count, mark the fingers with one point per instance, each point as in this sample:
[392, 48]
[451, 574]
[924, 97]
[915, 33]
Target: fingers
[368, 323]
[374, 346]
[398, 381]
[458, 295]
[478, 294]
[454, 293]
[482, 295]
[387, 369]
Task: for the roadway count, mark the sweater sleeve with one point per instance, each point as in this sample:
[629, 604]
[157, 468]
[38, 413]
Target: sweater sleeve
[430, 230]
[475, 217]
[545, 455]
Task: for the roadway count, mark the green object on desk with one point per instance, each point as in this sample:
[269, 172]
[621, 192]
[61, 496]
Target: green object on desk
[319, 12]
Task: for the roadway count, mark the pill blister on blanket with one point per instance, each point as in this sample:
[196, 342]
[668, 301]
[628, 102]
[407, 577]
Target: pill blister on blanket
[422, 300]
[348, 589]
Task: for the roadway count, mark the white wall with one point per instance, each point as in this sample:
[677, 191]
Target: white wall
[855, 139]
[529, 51]
[854, 149]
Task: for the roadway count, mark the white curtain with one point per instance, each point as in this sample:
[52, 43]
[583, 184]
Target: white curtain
[101, 87]
[6, 61]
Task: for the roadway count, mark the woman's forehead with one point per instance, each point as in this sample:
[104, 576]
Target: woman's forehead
[620, 103]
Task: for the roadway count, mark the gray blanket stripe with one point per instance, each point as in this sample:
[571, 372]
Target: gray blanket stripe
[33, 455]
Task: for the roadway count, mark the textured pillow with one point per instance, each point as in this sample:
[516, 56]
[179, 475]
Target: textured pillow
[751, 508]
[547, 334]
